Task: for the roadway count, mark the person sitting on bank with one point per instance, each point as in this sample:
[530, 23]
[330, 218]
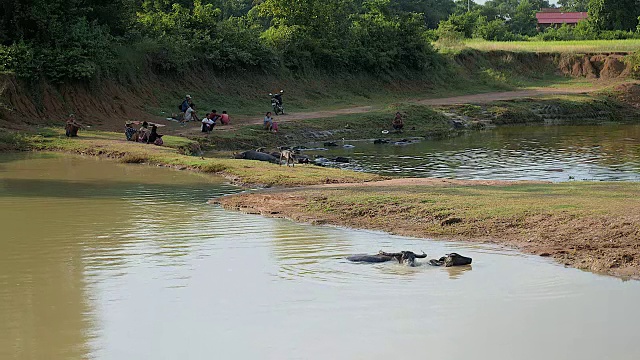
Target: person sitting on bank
[397, 122]
[154, 137]
[268, 121]
[215, 116]
[208, 123]
[185, 103]
[190, 114]
[129, 131]
[143, 132]
[71, 127]
[224, 118]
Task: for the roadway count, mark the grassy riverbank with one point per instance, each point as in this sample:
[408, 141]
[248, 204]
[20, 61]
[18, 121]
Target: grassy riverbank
[178, 153]
[589, 225]
[433, 122]
[575, 46]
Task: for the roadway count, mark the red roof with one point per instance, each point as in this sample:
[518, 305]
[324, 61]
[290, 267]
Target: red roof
[560, 17]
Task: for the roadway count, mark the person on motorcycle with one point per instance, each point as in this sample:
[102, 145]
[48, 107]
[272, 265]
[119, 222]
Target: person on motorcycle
[278, 97]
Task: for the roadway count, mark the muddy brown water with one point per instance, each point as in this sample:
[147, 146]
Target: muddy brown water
[554, 153]
[100, 260]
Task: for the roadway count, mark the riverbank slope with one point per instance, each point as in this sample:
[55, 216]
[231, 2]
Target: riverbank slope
[106, 103]
[593, 226]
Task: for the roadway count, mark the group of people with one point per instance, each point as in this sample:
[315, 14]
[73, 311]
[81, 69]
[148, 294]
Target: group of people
[188, 108]
[144, 134]
[211, 119]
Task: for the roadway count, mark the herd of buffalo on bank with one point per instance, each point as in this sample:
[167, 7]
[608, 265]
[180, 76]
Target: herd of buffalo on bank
[294, 155]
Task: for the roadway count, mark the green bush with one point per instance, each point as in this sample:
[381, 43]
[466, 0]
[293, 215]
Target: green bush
[495, 30]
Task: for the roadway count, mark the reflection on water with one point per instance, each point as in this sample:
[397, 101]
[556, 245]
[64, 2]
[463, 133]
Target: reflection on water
[555, 153]
[107, 261]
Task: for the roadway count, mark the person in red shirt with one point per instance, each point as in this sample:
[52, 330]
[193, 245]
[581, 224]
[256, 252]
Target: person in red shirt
[224, 118]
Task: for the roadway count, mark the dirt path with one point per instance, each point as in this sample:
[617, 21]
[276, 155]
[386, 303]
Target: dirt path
[463, 99]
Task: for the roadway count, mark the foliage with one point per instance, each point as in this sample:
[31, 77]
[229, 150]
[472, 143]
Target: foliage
[584, 30]
[633, 60]
[83, 39]
[574, 5]
[614, 14]
[608, 19]
[496, 30]
[465, 23]
[448, 38]
[432, 11]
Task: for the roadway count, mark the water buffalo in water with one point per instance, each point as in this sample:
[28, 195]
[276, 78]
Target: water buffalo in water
[255, 155]
[403, 257]
[452, 259]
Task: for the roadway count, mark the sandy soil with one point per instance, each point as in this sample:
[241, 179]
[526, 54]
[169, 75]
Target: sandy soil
[603, 243]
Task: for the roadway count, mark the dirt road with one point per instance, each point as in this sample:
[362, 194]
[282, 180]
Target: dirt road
[464, 99]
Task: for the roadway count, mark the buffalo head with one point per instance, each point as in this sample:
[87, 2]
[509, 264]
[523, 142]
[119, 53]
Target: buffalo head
[452, 259]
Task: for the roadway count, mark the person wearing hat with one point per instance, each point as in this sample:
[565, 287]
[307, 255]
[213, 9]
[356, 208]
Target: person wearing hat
[129, 131]
[186, 104]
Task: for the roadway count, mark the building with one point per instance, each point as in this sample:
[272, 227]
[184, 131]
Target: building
[556, 17]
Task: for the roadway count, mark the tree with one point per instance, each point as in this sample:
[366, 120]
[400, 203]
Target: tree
[433, 11]
[574, 5]
[614, 14]
[524, 21]
[464, 23]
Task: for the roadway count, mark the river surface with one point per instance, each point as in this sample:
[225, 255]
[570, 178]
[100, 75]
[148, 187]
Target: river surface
[553, 153]
[101, 260]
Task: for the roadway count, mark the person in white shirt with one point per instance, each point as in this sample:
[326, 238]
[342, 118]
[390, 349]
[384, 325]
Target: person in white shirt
[208, 123]
[190, 113]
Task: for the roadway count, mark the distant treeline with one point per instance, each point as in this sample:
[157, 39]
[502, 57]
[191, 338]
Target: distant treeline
[62, 40]
[508, 20]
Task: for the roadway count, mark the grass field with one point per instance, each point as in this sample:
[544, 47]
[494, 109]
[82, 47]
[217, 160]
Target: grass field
[113, 145]
[581, 46]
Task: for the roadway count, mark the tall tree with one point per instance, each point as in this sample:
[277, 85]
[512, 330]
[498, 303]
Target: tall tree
[574, 5]
[614, 14]
[433, 11]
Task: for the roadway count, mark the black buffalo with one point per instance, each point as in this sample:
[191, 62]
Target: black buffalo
[452, 259]
[403, 257]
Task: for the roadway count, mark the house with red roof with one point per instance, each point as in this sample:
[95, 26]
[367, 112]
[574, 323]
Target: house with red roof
[557, 17]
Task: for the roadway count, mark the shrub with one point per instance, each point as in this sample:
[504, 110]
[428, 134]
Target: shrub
[495, 30]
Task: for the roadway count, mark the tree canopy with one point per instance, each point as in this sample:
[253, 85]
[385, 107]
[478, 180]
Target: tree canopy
[63, 40]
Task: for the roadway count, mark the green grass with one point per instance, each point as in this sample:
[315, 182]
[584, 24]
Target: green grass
[108, 144]
[425, 121]
[579, 46]
[246, 96]
[494, 210]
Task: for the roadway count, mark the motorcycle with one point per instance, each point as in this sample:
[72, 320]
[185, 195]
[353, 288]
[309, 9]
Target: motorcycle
[276, 103]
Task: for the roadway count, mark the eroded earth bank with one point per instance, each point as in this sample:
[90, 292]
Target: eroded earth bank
[590, 226]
